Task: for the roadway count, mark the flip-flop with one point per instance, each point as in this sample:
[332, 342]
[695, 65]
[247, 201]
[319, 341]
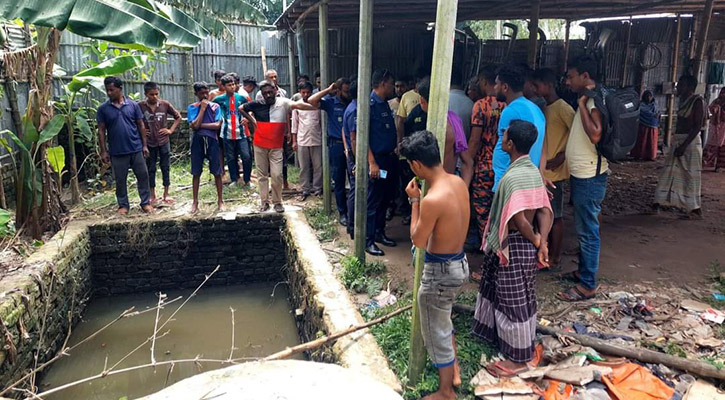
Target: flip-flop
[573, 294]
[475, 277]
[499, 371]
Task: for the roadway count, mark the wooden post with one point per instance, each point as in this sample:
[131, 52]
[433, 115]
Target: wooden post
[324, 82]
[189, 76]
[673, 78]
[533, 32]
[625, 64]
[291, 64]
[702, 39]
[437, 122]
[301, 54]
[567, 34]
[364, 71]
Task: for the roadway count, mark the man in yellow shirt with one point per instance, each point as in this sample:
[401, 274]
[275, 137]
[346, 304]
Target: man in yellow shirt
[589, 173]
[559, 117]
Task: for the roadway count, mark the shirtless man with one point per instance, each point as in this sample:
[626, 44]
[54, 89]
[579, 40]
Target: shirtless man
[441, 230]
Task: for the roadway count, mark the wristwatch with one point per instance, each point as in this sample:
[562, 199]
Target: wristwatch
[412, 200]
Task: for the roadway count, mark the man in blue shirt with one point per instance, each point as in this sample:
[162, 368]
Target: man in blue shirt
[509, 87]
[122, 120]
[334, 105]
[382, 161]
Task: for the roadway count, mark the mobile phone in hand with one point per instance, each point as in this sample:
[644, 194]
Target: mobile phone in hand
[383, 174]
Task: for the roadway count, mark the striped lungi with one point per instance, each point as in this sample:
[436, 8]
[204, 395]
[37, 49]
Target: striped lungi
[681, 179]
[506, 305]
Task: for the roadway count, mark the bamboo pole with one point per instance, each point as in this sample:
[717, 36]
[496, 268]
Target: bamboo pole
[673, 78]
[364, 71]
[533, 32]
[567, 34]
[319, 342]
[324, 82]
[702, 39]
[437, 121]
[625, 64]
[263, 50]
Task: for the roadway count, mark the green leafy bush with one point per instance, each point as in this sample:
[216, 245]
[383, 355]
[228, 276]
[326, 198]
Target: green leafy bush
[361, 277]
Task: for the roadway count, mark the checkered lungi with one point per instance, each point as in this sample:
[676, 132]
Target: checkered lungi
[506, 305]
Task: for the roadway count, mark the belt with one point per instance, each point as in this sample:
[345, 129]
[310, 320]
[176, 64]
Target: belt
[332, 140]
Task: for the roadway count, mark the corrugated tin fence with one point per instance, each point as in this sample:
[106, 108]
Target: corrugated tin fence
[242, 55]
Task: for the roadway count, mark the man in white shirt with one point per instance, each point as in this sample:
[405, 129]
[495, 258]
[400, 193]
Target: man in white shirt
[271, 76]
[307, 142]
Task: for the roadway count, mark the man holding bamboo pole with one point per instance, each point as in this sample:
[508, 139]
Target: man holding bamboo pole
[441, 230]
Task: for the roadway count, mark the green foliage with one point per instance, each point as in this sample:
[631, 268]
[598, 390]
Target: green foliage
[56, 158]
[393, 336]
[123, 21]
[675, 349]
[323, 223]
[362, 277]
[6, 226]
[115, 66]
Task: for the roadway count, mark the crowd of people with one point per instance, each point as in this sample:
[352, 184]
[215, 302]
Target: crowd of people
[511, 146]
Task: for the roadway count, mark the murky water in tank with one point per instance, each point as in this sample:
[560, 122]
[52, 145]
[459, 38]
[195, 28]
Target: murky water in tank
[263, 325]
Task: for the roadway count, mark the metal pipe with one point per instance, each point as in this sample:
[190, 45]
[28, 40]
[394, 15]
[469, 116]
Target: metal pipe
[437, 123]
[533, 32]
[673, 77]
[567, 34]
[324, 82]
[625, 64]
[702, 38]
[301, 54]
[364, 71]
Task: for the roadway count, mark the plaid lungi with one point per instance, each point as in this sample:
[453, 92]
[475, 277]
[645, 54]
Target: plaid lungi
[506, 305]
[681, 179]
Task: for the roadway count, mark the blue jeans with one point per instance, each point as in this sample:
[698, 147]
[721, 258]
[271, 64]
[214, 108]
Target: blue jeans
[338, 168]
[587, 195]
[234, 149]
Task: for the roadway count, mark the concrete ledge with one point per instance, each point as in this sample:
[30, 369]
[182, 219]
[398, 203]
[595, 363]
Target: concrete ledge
[327, 306]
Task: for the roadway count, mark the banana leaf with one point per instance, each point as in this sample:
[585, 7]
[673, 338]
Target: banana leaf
[117, 21]
[85, 130]
[30, 136]
[176, 34]
[56, 158]
[94, 76]
[51, 129]
[212, 14]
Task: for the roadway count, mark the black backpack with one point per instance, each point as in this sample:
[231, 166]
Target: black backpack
[620, 111]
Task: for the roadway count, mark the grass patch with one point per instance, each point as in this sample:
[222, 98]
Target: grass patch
[323, 223]
[293, 174]
[180, 190]
[362, 277]
[393, 336]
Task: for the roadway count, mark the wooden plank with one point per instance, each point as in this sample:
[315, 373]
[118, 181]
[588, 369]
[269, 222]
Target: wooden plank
[364, 78]
[445, 31]
[702, 39]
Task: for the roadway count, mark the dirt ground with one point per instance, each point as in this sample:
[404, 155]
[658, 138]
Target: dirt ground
[637, 248]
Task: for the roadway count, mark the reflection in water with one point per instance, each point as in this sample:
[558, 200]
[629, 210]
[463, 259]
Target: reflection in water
[263, 325]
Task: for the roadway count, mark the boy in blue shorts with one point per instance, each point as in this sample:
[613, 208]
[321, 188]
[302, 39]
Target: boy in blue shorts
[205, 120]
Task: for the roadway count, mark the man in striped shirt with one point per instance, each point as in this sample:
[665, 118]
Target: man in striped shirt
[233, 133]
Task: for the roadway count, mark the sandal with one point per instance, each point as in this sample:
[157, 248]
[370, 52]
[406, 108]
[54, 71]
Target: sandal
[571, 276]
[475, 277]
[574, 294]
[499, 371]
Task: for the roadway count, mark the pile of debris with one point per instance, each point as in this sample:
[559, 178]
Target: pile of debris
[633, 343]
[667, 320]
[562, 370]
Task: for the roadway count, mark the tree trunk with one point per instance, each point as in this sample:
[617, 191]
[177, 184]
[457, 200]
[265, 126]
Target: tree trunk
[75, 188]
